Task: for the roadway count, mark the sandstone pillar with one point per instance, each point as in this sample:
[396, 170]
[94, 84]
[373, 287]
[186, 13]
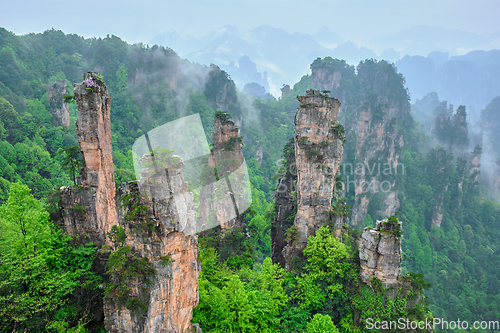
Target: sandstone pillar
[90, 208]
[59, 111]
[319, 147]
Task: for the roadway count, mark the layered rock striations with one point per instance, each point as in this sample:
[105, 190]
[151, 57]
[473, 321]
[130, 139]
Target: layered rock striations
[285, 207]
[92, 206]
[319, 146]
[223, 198]
[158, 228]
[59, 111]
[380, 254]
[158, 222]
[374, 104]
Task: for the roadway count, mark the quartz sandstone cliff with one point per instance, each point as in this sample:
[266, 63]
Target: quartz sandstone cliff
[380, 255]
[224, 164]
[96, 212]
[157, 232]
[319, 148]
[370, 113]
[59, 111]
[285, 206]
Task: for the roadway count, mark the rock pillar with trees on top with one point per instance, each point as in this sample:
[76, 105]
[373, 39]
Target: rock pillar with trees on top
[319, 147]
[146, 245]
[91, 204]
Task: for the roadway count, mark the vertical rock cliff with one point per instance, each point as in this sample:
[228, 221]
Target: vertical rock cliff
[221, 93]
[374, 104]
[158, 254]
[159, 228]
[475, 165]
[222, 200]
[380, 253]
[319, 147]
[91, 208]
[285, 207]
[59, 111]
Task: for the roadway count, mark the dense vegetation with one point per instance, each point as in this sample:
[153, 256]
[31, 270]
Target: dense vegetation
[47, 279]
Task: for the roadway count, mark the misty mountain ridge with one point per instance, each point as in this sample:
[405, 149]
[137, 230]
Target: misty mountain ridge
[282, 58]
[472, 79]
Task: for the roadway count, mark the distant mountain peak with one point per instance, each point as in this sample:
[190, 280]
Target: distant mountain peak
[324, 35]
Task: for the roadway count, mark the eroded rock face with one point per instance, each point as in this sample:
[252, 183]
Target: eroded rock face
[376, 140]
[475, 165]
[173, 294]
[380, 255]
[222, 204]
[326, 78]
[59, 111]
[93, 127]
[91, 209]
[162, 228]
[318, 151]
[285, 207]
[221, 92]
[371, 117]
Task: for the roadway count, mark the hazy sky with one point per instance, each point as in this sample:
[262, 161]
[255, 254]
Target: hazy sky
[140, 21]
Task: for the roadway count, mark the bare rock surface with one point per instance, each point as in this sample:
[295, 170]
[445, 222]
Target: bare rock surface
[59, 111]
[318, 151]
[380, 255]
[162, 229]
[224, 197]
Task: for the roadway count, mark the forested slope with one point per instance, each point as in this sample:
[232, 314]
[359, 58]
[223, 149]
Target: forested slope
[245, 292]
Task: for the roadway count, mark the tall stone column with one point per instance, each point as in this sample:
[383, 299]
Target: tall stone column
[225, 196]
[94, 137]
[90, 208]
[158, 228]
[319, 148]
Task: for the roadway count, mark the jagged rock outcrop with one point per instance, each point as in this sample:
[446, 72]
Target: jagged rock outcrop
[92, 207]
[319, 147]
[285, 90]
[374, 104]
[380, 254]
[224, 202]
[159, 223]
[285, 206]
[59, 111]
[160, 231]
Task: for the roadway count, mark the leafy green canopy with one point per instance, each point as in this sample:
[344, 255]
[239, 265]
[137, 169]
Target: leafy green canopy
[39, 269]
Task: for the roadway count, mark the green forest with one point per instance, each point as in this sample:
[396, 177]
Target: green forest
[49, 281]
